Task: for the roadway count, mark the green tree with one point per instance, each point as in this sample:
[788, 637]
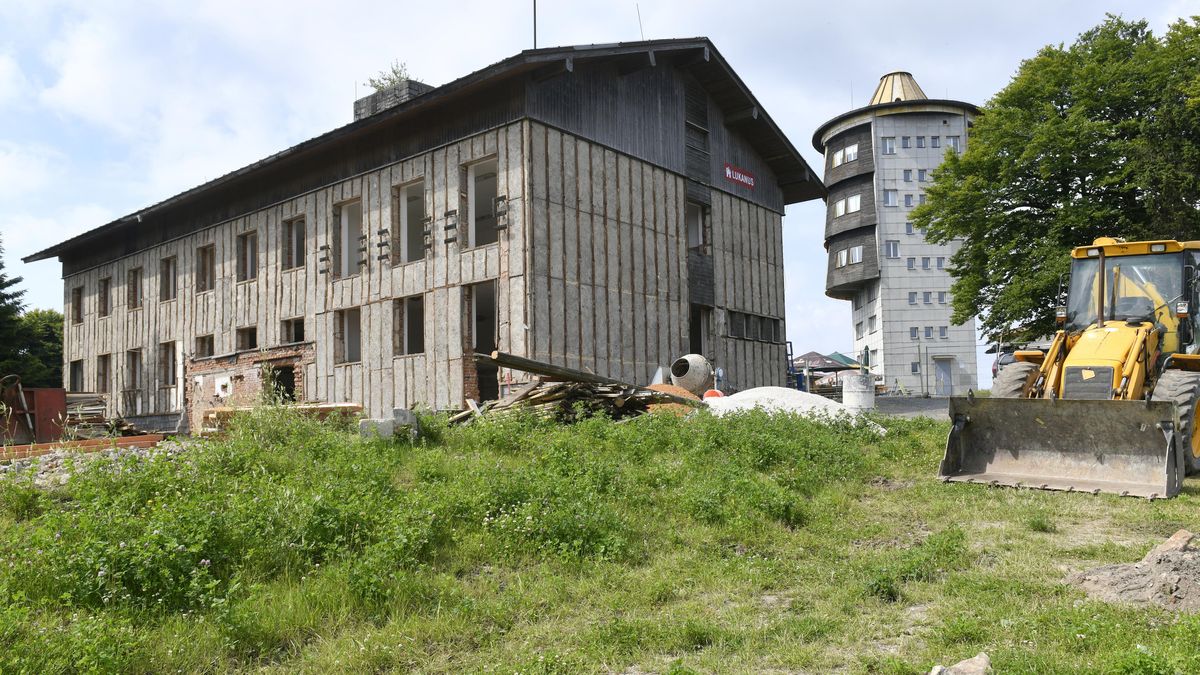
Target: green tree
[1099, 138]
[42, 355]
[12, 331]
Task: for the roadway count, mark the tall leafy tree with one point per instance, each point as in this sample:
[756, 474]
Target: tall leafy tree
[12, 330]
[42, 355]
[1099, 138]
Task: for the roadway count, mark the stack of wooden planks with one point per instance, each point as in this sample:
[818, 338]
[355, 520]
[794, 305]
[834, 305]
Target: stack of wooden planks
[85, 416]
[564, 394]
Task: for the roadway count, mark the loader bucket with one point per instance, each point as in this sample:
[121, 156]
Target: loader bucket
[1119, 447]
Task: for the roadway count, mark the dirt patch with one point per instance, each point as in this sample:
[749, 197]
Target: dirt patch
[1168, 577]
[888, 484]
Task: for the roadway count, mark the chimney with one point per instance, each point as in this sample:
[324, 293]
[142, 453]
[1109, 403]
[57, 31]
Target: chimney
[390, 97]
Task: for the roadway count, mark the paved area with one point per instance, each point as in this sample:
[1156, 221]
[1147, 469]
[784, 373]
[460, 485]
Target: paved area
[912, 406]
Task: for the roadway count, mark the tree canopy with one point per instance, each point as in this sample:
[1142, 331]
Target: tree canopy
[1099, 138]
[30, 342]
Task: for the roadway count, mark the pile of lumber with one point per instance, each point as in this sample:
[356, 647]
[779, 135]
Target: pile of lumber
[85, 415]
[565, 394]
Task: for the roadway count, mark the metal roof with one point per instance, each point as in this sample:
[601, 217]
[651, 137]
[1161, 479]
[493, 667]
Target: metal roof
[897, 86]
[796, 178]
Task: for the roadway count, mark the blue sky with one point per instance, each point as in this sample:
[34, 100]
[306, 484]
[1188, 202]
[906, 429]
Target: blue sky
[109, 106]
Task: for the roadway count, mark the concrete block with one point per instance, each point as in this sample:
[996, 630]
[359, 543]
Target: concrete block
[376, 428]
[405, 421]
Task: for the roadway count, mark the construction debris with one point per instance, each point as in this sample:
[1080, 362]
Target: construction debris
[1168, 577]
[565, 394]
[85, 418]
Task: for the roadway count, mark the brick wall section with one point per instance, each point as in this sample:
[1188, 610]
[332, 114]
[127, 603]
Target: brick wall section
[236, 379]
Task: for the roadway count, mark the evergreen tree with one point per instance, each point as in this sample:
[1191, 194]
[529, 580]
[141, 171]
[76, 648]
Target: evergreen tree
[12, 329]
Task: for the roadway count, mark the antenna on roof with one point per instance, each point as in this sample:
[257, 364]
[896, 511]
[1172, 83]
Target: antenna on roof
[535, 24]
[639, 13]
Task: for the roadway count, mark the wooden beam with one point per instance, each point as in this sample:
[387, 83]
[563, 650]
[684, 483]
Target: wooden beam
[549, 370]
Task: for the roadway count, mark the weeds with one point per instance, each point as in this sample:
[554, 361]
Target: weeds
[292, 545]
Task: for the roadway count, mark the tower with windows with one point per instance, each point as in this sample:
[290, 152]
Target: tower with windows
[878, 161]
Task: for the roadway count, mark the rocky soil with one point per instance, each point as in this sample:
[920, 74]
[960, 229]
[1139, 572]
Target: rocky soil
[1169, 577]
[55, 468]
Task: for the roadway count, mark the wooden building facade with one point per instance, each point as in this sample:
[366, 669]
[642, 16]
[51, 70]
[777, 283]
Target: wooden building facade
[603, 207]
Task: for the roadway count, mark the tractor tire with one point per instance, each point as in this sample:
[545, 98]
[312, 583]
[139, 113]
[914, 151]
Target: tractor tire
[1183, 389]
[1015, 379]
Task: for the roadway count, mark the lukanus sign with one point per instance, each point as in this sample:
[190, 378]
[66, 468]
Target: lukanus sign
[739, 175]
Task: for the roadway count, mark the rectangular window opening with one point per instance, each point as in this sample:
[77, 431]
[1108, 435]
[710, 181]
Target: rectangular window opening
[206, 268]
[408, 244]
[349, 239]
[294, 233]
[292, 330]
[77, 304]
[104, 301]
[103, 373]
[166, 365]
[348, 336]
[696, 217]
[408, 326]
[481, 185]
[76, 376]
[247, 338]
[205, 346]
[168, 286]
[247, 256]
[133, 370]
[133, 288]
[484, 326]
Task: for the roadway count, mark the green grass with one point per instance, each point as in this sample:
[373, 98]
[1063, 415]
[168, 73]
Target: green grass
[746, 544]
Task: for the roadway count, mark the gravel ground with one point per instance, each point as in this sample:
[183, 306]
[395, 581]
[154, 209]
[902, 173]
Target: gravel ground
[54, 468]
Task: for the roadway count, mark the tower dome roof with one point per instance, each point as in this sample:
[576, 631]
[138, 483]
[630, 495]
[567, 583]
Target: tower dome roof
[897, 86]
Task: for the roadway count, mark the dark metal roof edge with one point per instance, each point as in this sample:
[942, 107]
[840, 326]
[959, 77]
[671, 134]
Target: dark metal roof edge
[512, 65]
[770, 122]
[820, 147]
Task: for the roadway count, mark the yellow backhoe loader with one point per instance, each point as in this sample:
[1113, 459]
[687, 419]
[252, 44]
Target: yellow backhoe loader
[1111, 405]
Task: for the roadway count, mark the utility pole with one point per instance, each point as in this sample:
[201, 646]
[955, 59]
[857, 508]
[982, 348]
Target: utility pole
[535, 24]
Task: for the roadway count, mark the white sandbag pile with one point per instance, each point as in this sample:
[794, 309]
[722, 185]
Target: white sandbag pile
[783, 400]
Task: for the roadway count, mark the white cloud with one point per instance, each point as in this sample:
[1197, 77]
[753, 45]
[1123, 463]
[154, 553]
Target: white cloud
[100, 78]
[27, 232]
[13, 84]
[25, 169]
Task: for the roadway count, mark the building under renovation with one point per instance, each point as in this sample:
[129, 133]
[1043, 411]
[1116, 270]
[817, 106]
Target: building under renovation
[878, 161]
[605, 207]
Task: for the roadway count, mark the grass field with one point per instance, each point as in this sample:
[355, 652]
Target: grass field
[749, 544]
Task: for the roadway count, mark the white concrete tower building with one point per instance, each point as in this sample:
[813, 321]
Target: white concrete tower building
[878, 162]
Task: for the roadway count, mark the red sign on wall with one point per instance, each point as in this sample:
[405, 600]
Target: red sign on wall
[738, 175]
